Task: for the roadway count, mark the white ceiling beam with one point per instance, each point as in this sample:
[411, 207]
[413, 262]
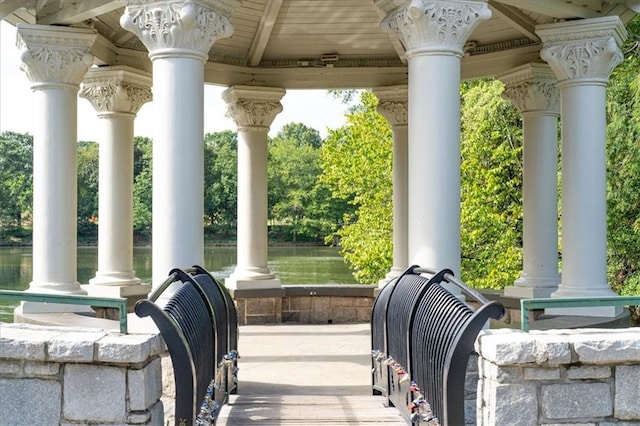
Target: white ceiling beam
[80, 11]
[556, 8]
[7, 7]
[263, 33]
[516, 19]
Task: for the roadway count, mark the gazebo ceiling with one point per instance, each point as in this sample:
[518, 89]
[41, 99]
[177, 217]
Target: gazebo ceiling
[320, 43]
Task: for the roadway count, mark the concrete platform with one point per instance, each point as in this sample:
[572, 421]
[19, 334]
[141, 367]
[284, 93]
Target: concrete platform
[303, 374]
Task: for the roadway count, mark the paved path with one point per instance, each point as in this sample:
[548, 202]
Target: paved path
[306, 375]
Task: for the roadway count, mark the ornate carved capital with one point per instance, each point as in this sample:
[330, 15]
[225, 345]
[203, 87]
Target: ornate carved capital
[433, 26]
[58, 55]
[179, 28]
[532, 88]
[583, 51]
[116, 89]
[253, 106]
[393, 104]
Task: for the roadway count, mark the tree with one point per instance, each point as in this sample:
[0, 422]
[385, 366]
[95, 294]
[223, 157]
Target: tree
[623, 170]
[16, 178]
[357, 162]
[88, 153]
[491, 214]
[300, 134]
[293, 169]
[221, 180]
[142, 185]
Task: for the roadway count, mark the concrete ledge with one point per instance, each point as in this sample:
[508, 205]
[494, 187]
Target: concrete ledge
[329, 290]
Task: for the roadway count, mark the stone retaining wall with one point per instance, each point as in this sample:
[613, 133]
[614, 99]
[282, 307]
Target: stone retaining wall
[585, 377]
[72, 376]
[305, 304]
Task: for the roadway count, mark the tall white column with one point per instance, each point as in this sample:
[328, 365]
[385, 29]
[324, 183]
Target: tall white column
[582, 55]
[534, 91]
[178, 35]
[116, 93]
[253, 109]
[434, 33]
[55, 60]
[393, 107]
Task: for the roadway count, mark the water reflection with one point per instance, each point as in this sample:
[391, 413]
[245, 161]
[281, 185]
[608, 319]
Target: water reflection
[292, 264]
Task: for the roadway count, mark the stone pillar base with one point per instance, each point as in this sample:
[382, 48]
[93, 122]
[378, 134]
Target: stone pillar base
[132, 293]
[528, 292]
[234, 283]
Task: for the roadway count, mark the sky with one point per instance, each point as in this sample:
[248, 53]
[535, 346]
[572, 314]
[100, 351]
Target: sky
[315, 108]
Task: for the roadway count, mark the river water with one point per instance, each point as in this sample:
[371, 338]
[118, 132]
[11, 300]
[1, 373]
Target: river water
[292, 264]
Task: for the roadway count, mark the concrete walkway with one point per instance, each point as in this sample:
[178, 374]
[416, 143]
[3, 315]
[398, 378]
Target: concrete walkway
[306, 375]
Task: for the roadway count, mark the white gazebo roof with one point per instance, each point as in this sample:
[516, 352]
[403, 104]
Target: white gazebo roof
[320, 43]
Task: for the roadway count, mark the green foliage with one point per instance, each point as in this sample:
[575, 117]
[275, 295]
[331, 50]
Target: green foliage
[357, 163]
[142, 186]
[87, 154]
[295, 196]
[491, 169]
[623, 172]
[16, 178]
[221, 180]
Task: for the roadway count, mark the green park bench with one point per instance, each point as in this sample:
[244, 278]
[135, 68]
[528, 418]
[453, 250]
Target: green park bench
[528, 307]
[103, 302]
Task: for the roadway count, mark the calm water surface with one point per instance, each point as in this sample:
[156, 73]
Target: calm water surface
[293, 265]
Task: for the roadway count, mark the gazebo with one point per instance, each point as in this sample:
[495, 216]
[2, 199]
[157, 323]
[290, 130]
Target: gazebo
[554, 57]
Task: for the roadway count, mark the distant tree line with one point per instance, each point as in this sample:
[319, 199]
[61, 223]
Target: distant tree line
[300, 206]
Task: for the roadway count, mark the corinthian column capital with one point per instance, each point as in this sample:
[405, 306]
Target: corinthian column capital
[117, 89]
[532, 88]
[178, 27]
[393, 104]
[55, 55]
[253, 106]
[426, 26]
[583, 51]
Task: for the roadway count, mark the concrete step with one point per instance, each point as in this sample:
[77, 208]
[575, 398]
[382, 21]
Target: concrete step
[309, 410]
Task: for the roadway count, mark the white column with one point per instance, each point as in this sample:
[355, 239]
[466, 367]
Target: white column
[253, 109]
[393, 106]
[116, 93]
[533, 90]
[434, 33]
[582, 55]
[55, 60]
[178, 35]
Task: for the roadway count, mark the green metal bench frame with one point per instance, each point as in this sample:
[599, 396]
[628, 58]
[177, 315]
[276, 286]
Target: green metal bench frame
[528, 305]
[70, 299]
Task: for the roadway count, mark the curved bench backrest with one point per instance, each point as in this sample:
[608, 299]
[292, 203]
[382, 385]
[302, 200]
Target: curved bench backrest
[442, 333]
[187, 328]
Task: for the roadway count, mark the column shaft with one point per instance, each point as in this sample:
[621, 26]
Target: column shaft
[252, 206]
[584, 225]
[178, 167]
[434, 161]
[55, 191]
[540, 205]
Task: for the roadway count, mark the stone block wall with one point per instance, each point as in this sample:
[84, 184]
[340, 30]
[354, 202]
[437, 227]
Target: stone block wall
[560, 377]
[73, 376]
[305, 304]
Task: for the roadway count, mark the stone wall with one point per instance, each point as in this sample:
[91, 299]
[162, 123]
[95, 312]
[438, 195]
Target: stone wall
[69, 376]
[305, 304]
[562, 377]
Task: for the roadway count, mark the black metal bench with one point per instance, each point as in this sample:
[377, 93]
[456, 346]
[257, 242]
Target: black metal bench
[196, 324]
[422, 338]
